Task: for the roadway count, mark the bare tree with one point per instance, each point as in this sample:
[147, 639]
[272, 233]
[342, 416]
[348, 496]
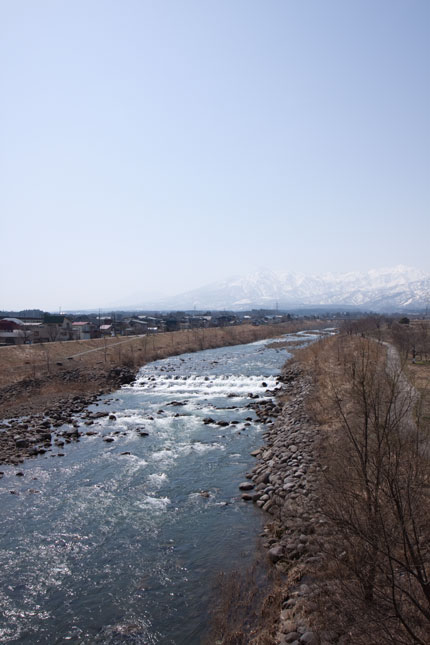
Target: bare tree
[377, 499]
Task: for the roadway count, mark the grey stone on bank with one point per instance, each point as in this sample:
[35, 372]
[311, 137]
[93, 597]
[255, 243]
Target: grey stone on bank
[292, 637]
[286, 480]
[246, 486]
[310, 638]
[287, 626]
[276, 553]
[251, 497]
[246, 497]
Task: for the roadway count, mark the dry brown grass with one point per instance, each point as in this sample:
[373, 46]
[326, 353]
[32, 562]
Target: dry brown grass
[419, 376]
[410, 339]
[35, 361]
[330, 362]
[374, 494]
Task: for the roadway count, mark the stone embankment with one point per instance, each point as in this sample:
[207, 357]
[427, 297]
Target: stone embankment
[284, 483]
[28, 435]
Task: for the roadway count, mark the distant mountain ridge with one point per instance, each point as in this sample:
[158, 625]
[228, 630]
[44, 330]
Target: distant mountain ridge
[397, 288]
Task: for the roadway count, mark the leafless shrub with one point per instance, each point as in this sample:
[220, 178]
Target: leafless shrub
[246, 608]
[128, 360]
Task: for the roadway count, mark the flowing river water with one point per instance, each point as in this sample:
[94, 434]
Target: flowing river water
[121, 542]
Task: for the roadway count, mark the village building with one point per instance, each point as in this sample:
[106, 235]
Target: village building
[82, 330]
[10, 324]
[106, 330]
[54, 328]
[13, 332]
[10, 335]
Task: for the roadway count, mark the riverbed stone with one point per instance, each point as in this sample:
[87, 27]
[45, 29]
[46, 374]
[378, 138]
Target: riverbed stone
[292, 637]
[286, 479]
[276, 553]
[287, 626]
[246, 486]
[310, 638]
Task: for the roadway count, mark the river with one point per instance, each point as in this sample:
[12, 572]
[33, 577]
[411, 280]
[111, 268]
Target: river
[121, 542]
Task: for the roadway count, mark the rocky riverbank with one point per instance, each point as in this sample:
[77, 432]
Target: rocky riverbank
[284, 483]
[48, 421]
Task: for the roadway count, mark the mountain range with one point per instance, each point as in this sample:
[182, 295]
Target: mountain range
[397, 288]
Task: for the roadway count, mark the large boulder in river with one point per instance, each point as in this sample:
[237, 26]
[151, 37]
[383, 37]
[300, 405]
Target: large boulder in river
[99, 415]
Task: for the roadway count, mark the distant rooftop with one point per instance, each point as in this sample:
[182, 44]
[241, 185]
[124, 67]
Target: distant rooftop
[17, 321]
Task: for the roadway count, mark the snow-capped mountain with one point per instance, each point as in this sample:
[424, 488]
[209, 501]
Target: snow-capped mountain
[378, 289]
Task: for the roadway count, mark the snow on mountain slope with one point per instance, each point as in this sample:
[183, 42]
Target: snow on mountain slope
[377, 289]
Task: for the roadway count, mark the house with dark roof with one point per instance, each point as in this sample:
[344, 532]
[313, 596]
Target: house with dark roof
[56, 327]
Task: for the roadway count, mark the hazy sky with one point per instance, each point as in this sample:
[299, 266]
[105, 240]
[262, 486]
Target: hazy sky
[156, 146]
